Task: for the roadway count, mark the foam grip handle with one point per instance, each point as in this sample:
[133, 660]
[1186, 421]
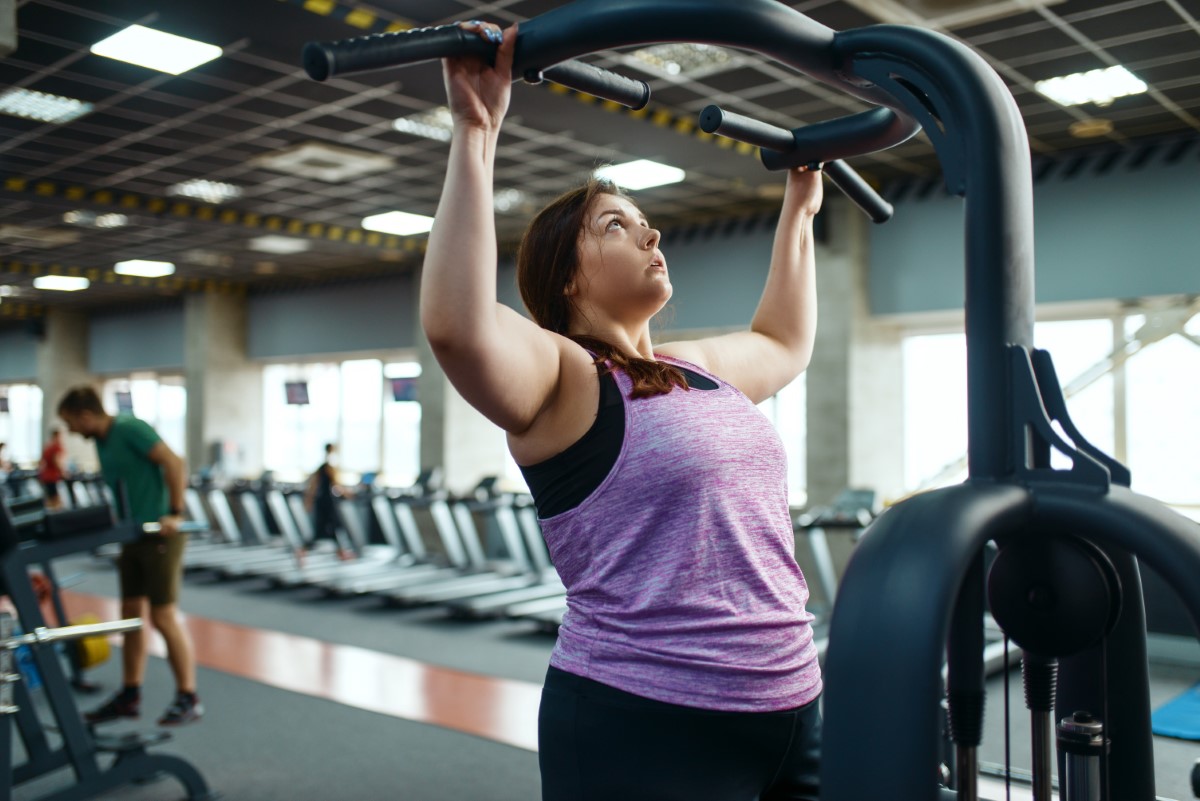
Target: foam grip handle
[859, 191]
[716, 120]
[323, 60]
[598, 82]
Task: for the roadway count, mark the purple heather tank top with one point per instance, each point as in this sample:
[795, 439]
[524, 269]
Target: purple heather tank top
[682, 585]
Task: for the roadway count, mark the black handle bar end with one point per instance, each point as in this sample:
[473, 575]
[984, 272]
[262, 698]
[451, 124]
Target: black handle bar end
[318, 59]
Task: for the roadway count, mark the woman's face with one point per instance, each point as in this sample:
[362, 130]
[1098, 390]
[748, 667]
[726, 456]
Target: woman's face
[621, 270]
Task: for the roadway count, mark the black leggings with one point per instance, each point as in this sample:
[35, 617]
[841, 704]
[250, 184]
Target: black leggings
[597, 743]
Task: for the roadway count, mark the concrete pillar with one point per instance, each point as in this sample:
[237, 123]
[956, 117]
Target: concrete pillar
[62, 363]
[854, 386]
[464, 443]
[225, 395]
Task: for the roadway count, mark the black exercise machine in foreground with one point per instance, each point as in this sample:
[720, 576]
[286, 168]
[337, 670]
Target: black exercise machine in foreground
[34, 537]
[916, 582]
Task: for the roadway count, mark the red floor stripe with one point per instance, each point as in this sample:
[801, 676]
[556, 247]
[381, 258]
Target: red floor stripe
[503, 710]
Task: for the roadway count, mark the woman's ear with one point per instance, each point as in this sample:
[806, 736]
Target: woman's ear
[570, 289]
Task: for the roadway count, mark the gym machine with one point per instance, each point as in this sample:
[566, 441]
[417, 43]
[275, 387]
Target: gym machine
[1064, 584]
[35, 537]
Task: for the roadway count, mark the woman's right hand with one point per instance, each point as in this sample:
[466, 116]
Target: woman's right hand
[478, 94]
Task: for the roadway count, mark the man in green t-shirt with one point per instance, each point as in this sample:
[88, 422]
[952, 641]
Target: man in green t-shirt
[147, 476]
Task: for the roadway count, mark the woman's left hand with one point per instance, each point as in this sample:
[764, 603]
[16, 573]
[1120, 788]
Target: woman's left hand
[804, 192]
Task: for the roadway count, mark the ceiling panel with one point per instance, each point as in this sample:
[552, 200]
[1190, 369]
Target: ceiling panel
[149, 131]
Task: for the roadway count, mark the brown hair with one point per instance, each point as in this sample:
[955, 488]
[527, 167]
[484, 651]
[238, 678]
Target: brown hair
[547, 261]
[81, 399]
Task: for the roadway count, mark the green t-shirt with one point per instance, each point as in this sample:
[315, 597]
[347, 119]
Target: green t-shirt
[124, 457]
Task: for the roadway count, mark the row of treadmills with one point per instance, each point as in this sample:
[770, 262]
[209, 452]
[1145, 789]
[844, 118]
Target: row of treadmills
[478, 556]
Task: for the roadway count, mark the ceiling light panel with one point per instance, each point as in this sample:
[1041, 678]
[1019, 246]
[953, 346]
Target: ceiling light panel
[208, 191]
[90, 219]
[324, 162]
[42, 107]
[143, 268]
[1100, 86]
[157, 50]
[61, 283]
[281, 245]
[641, 174]
[434, 124]
[400, 223]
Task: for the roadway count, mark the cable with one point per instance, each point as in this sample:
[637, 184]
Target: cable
[1007, 729]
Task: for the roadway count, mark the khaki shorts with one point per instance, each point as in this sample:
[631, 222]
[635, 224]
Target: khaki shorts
[152, 568]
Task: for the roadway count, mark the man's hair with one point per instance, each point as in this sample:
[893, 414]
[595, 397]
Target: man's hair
[81, 399]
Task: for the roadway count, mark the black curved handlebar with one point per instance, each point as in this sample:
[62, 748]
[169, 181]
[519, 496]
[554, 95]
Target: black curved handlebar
[781, 148]
[773, 139]
[323, 60]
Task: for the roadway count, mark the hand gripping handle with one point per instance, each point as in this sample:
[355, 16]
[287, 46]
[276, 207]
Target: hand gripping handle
[770, 137]
[324, 60]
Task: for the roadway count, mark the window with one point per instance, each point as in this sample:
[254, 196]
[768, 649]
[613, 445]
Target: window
[1163, 385]
[935, 410]
[21, 425]
[787, 411]
[369, 409]
[935, 396]
[295, 434]
[361, 416]
[401, 424]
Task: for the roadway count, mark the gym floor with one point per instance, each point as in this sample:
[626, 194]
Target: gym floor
[311, 697]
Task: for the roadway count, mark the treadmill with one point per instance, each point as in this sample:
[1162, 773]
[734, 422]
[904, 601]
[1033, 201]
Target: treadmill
[517, 571]
[495, 604]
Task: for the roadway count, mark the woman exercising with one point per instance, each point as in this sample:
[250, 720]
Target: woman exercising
[685, 667]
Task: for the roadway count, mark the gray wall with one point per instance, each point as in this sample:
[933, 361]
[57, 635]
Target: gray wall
[18, 355]
[364, 316]
[1125, 234]
[144, 340]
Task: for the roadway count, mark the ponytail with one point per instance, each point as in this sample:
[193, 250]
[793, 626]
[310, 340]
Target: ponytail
[649, 377]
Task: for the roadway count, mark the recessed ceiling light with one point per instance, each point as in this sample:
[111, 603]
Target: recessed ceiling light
[283, 245]
[400, 223]
[683, 60]
[91, 219]
[7, 291]
[111, 220]
[201, 257]
[324, 162]
[1090, 128]
[641, 174]
[208, 191]
[143, 268]
[61, 283]
[157, 50]
[505, 200]
[433, 124]
[42, 107]
[1095, 86]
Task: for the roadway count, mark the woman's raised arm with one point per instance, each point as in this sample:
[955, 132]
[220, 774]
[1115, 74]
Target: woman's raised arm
[500, 362]
[778, 345]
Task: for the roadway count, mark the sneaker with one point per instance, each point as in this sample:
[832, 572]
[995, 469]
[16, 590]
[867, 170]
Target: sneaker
[185, 709]
[119, 706]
